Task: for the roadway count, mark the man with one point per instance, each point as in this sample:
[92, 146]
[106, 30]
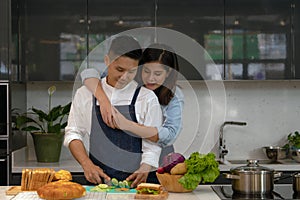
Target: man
[114, 153]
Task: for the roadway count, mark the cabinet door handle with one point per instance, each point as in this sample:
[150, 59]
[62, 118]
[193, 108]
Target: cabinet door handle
[2, 160]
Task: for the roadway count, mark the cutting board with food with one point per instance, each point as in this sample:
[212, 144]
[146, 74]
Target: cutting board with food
[112, 186]
[44, 183]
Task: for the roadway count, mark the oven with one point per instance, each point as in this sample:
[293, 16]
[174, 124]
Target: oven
[4, 162]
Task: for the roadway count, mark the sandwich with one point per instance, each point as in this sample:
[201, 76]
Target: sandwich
[151, 191]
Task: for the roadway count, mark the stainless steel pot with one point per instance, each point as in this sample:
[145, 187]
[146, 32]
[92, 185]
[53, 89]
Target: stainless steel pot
[252, 178]
[296, 183]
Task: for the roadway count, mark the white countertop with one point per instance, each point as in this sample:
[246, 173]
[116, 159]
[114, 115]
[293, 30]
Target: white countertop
[20, 162]
[70, 165]
[201, 192]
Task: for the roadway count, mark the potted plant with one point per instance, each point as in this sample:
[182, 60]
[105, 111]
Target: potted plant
[46, 129]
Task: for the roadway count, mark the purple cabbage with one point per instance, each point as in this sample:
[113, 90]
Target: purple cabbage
[170, 160]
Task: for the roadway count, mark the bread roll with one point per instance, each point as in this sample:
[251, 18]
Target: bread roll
[62, 175]
[61, 189]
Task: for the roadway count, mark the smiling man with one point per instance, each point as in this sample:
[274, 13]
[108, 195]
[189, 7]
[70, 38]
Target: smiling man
[114, 153]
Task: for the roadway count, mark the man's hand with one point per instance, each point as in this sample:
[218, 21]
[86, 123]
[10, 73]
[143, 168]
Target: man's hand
[140, 175]
[93, 173]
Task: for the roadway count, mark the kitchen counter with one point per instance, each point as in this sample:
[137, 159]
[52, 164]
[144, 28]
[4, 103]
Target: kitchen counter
[201, 192]
[73, 166]
[18, 163]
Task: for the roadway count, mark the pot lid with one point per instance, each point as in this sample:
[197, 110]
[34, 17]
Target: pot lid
[252, 167]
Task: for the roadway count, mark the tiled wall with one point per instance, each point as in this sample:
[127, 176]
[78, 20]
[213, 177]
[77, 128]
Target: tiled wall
[270, 108]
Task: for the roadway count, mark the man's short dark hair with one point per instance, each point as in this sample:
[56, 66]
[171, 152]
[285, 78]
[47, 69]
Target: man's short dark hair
[125, 46]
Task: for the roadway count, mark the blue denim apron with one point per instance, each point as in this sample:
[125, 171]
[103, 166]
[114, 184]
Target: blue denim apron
[115, 151]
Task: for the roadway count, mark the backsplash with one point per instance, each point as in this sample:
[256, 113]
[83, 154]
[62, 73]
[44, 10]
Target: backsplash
[270, 108]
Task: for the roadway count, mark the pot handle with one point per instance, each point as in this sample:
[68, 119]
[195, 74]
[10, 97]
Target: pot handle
[231, 176]
[277, 174]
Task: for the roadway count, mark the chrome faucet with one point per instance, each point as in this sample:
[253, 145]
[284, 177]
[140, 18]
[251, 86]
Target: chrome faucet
[222, 147]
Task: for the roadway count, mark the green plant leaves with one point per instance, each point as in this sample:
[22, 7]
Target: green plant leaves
[66, 109]
[294, 140]
[54, 129]
[40, 121]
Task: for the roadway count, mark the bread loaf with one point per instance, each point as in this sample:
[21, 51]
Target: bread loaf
[32, 179]
[61, 189]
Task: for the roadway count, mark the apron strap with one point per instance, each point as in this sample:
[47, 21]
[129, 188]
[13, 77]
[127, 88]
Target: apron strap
[136, 93]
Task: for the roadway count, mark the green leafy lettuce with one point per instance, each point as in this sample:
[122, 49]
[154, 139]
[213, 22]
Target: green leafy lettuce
[147, 191]
[200, 168]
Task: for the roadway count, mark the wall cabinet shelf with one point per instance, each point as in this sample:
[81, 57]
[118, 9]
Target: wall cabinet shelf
[255, 40]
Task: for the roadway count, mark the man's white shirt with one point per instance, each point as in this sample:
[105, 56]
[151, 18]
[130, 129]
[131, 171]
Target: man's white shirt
[147, 109]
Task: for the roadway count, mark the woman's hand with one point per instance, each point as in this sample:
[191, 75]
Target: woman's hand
[106, 110]
[94, 85]
[140, 175]
[119, 120]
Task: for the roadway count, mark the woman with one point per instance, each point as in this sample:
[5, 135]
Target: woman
[158, 72]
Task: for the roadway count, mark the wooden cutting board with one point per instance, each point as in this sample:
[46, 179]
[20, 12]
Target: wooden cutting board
[13, 190]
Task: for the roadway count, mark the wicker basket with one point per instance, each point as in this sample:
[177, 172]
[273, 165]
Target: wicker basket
[170, 182]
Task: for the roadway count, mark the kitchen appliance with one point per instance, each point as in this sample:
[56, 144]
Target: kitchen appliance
[10, 139]
[296, 183]
[4, 133]
[281, 191]
[4, 110]
[4, 161]
[252, 178]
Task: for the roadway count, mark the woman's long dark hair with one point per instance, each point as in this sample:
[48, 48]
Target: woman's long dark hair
[164, 55]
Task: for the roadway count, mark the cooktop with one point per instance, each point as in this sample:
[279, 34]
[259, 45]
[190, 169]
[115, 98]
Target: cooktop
[281, 191]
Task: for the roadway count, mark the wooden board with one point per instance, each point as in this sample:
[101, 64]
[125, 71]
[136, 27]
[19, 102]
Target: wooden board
[14, 190]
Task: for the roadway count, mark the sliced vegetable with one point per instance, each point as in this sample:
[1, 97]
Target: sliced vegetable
[117, 185]
[121, 184]
[125, 183]
[122, 189]
[114, 181]
[147, 191]
[102, 188]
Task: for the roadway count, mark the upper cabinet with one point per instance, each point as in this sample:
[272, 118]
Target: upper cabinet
[252, 40]
[4, 39]
[259, 40]
[53, 37]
